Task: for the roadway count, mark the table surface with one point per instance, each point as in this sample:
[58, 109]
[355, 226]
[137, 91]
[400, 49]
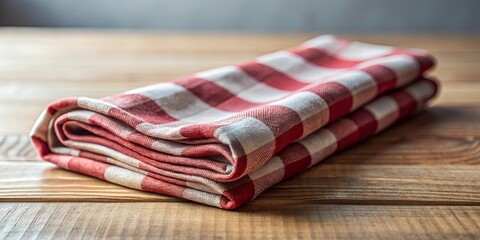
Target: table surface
[419, 179]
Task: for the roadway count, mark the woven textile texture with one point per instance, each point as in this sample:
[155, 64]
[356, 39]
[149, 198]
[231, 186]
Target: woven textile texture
[224, 136]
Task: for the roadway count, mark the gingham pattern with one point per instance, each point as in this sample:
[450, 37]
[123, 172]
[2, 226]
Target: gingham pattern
[223, 136]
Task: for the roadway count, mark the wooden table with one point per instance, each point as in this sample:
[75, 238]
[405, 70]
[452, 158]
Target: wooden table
[420, 179]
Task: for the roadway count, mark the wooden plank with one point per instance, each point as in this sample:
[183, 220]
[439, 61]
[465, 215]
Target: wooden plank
[191, 221]
[380, 184]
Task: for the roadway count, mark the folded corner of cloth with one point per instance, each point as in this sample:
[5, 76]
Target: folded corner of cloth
[223, 136]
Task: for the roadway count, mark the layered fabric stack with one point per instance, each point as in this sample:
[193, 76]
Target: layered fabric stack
[224, 136]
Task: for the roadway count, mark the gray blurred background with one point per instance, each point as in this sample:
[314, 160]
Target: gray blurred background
[434, 16]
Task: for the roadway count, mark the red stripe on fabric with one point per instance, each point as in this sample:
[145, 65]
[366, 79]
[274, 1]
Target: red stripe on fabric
[271, 77]
[41, 146]
[125, 117]
[297, 159]
[158, 186]
[107, 123]
[140, 138]
[346, 132]
[89, 167]
[292, 134]
[241, 165]
[366, 122]
[168, 179]
[338, 97]
[60, 160]
[208, 91]
[199, 130]
[425, 61]
[289, 129]
[93, 156]
[61, 104]
[238, 195]
[210, 149]
[215, 95]
[141, 107]
[405, 102]
[322, 58]
[227, 204]
[385, 77]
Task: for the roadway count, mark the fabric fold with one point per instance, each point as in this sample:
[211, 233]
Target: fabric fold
[223, 136]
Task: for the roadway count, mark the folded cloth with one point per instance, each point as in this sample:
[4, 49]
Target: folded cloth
[223, 136]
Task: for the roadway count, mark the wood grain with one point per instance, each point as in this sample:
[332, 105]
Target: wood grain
[191, 221]
[419, 179]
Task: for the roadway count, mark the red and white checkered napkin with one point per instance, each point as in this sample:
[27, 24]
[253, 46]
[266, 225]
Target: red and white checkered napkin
[223, 136]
